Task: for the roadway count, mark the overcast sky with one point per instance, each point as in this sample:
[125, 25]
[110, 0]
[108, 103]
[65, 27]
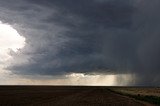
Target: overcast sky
[75, 41]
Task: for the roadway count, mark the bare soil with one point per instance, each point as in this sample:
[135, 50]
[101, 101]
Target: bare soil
[63, 96]
[146, 91]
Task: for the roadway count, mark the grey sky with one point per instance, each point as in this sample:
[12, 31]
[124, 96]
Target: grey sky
[85, 36]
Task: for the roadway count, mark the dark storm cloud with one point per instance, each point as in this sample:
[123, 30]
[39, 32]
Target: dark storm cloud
[63, 36]
[147, 30]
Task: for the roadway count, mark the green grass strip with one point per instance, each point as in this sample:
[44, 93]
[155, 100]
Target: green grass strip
[150, 99]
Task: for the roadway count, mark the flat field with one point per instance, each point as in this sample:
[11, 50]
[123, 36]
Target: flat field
[149, 94]
[146, 91]
[65, 96]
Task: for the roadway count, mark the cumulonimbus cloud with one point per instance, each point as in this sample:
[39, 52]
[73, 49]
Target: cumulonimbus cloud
[87, 36]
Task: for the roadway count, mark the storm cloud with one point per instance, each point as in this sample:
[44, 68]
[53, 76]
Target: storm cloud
[86, 36]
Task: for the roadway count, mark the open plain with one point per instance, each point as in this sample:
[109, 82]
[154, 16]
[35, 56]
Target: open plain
[64, 96]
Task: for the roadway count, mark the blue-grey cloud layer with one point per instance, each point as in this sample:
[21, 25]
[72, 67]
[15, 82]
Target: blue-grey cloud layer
[63, 36]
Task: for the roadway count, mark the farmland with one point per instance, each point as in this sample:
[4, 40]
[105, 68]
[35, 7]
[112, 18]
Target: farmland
[149, 94]
[147, 91]
[64, 96]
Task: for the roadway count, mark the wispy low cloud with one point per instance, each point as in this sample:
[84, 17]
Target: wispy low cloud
[68, 79]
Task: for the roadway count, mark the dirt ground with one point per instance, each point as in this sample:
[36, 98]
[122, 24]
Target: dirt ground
[63, 96]
[150, 91]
